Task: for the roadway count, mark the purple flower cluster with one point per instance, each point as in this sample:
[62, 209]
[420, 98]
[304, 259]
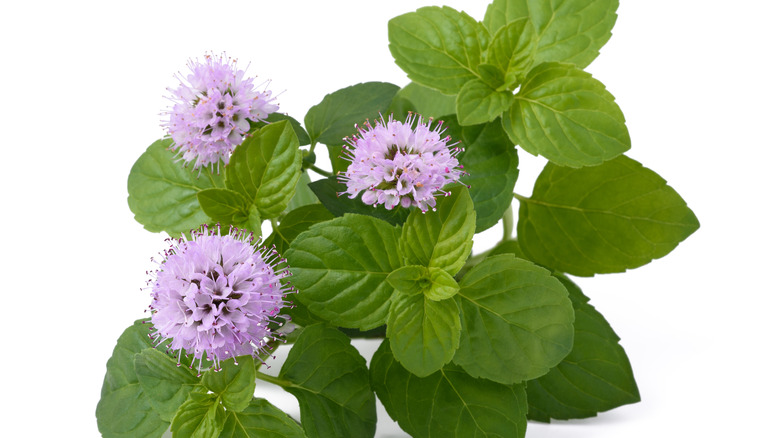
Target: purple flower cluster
[212, 111]
[215, 296]
[396, 163]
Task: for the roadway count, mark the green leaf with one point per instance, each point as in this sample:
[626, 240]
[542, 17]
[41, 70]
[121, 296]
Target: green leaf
[517, 320]
[335, 117]
[602, 219]
[569, 31]
[224, 206]
[512, 49]
[330, 192]
[340, 268]
[330, 380]
[233, 383]
[423, 333]
[427, 101]
[261, 420]
[124, 409]
[163, 193]
[449, 402]
[595, 377]
[441, 238]
[478, 103]
[491, 162]
[165, 383]
[337, 162]
[508, 247]
[303, 194]
[409, 280]
[437, 47]
[443, 286]
[201, 416]
[294, 223]
[567, 116]
[499, 13]
[491, 75]
[303, 137]
[265, 168]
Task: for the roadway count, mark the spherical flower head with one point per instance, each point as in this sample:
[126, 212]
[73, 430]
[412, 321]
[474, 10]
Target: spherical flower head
[406, 164]
[211, 111]
[217, 297]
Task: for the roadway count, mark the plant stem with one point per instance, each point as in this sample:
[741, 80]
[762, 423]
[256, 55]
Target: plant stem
[508, 222]
[316, 169]
[272, 379]
[521, 198]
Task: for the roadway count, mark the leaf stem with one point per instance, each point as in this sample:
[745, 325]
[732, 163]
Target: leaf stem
[272, 379]
[521, 198]
[316, 169]
[508, 222]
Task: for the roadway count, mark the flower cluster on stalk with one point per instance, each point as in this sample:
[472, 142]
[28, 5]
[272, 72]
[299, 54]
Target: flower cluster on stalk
[211, 111]
[401, 163]
[218, 296]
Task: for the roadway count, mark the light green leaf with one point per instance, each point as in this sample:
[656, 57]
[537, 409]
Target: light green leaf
[124, 409]
[303, 194]
[517, 320]
[491, 162]
[603, 219]
[409, 280]
[340, 268]
[570, 31]
[265, 168]
[512, 49]
[233, 383]
[335, 117]
[441, 238]
[449, 402]
[163, 193]
[443, 286]
[427, 101]
[595, 377]
[478, 103]
[567, 116]
[423, 333]
[499, 13]
[437, 47]
[330, 380]
[294, 223]
[261, 419]
[224, 206]
[165, 383]
[201, 416]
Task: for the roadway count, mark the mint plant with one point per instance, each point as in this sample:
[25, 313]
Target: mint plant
[378, 242]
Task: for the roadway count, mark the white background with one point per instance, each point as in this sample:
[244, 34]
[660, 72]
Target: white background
[82, 86]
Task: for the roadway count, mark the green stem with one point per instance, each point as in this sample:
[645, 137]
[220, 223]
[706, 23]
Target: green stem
[275, 380]
[316, 169]
[521, 198]
[508, 222]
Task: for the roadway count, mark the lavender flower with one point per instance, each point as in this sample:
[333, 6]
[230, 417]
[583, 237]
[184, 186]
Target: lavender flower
[399, 163]
[212, 111]
[216, 296]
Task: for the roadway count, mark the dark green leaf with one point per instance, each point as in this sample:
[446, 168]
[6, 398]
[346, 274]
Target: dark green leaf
[595, 377]
[265, 168]
[165, 383]
[124, 410]
[234, 383]
[478, 103]
[261, 420]
[163, 193]
[331, 194]
[517, 320]
[448, 403]
[340, 268]
[602, 219]
[437, 47]
[567, 116]
[303, 194]
[335, 117]
[441, 238]
[427, 101]
[423, 333]
[303, 137]
[512, 49]
[224, 206]
[569, 31]
[399, 107]
[294, 223]
[491, 162]
[337, 161]
[201, 416]
[330, 380]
